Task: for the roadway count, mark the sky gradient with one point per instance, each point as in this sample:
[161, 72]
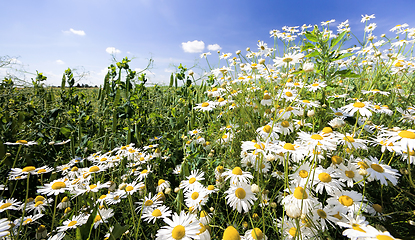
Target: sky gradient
[52, 35]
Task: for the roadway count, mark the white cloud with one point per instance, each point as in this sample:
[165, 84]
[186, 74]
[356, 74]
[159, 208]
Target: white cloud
[60, 62]
[214, 47]
[193, 47]
[112, 50]
[76, 32]
[168, 70]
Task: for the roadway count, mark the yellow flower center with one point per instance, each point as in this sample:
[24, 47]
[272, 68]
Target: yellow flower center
[102, 197]
[38, 203]
[161, 181]
[72, 223]
[266, 97]
[377, 208]
[316, 137]
[349, 174]
[306, 101]
[205, 104]
[203, 213]
[202, 229]
[144, 171]
[346, 200]
[94, 169]
[240, 193]
[303, 173]
[220, 169]
[285, 124]
[300, 193]
[327, 130]
[324, 177]
[237, 171]
[292, 231]
[288, 94]
[322, 213]
[97, 218]
[356, 227]
[338, 216]
[257, 146]
[29, 220]
[195, 195]
[221, 99]
[58, 185]
[28, 169]
[406, 134]
[192, 180]
[348, 139]
[178, 232]
[358, 104]
[39, 198]
[383, 237]
[363, 165]
[289, 146]
[377, 168]
[103, 159]
[231, 234]
[156, 213]
[257, 234]
[267, 129]
[5, 205]
[336, 159]
[211, 187]
[129, 188]
[21, 141]
[148, 203]
[41, 171]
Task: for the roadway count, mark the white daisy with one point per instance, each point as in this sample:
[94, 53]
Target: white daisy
[183, 226]
[240, 197]
[382, 172]
[151, 215]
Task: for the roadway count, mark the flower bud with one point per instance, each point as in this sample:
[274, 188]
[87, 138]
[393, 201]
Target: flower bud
[310, 113]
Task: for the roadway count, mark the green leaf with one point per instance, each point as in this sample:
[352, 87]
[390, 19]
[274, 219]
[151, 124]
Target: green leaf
[117, 231]
[336, 40]
[311, 37]
[65, 131]
[307, 46]
[313, 54]
[343, 56]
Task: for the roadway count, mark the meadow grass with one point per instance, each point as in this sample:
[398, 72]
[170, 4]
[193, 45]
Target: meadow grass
[311, 138]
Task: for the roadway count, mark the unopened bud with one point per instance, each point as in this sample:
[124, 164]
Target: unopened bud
[238, 52]
[310, 113]
[255, 188]
[176, 190]
[261, 61]
[363, 172]
[167, 190]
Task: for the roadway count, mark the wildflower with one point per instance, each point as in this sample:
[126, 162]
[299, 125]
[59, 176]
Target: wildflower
[382, 172]
[240, 197]
[231, 233]
[255, 234]
[74, 222]
[349, 174]
[64, 203]
[316, 86]
[183, 226]
[268, 132]
[361, 107]
[149, 202]
[205, 106]
[196, 198]
[4, 227]
[21, 142]
[367, 17]
[9, 204]
[162, 184]
[192, 181]
[27, 220]
[151, 215]
[102, 216]
[327, 179]
[300, 198]
[288, 59]
[347, 201]
[353, 143]
[236, 176]
[356, 226]
[54, 188]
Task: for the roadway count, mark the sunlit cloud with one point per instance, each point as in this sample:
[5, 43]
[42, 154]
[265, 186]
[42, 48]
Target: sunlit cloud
[112, 50]
[60, 62]
[193, 47]
[76, 32]
[214, 47]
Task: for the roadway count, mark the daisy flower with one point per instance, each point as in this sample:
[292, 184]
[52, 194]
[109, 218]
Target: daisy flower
[353, 143]
[406, 139]
[288, 59]
[53, 188]
[151, 215]
[288, 94]
[362, 107]
[75, 222]
[327, 179]
[266, 99]
[285, 127]
[102, 216]
[28, 220]
[347, 201]
[162, 184]
[133, 187]
[115, 197]
[9, 204]
[240, 197]
[149, 202]
[196, 198]
[300, 199]
[21, 142]
[236, 176]
[349, 174]
[4, 227]
[382, 172]
[192, 181]
[255, 234]
[356, 226]
[205, 106]
[316, 86]
[144, 173]
[268, 132]
[183, 226]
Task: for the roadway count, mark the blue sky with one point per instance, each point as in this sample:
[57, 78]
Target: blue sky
[50, 36]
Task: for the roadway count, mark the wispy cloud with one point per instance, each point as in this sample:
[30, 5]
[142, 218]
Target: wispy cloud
[76, 32]
[193, 47]
[60, 62]
[214, 47]
[112, 50]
